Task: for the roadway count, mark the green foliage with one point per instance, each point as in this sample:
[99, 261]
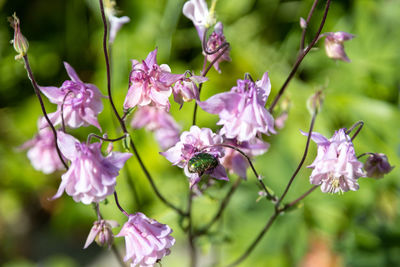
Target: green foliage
[264, 35]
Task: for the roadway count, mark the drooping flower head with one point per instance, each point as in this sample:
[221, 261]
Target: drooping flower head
[216, 40]
[115, 22]
[377, 165]
[91, 177]
[235, 162]
[336, 167]
[43, 153]
[101, 233]
[242, 111]
[197, 12]
[147, 241]
[334, 45]
[157, 120]
[150, 83]
[186, 89]
[193, 143]
[81, 102]
[20, 43]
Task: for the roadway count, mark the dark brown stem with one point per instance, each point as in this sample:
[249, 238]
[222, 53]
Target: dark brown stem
[270, 195]
[301, 162]
[300, 58]
[294, 202]
[204, 73]
[255, 242]
[118, 205]
[358, 124]
[191, 237]
[364, 154]
[90, 136]
[303, 33]
[221, 209]
[37, 92]
[121, 121]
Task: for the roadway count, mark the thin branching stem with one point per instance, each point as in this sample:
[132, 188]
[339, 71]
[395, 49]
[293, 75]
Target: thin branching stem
[118, 205]
[303, 33]
[121, 121]
[270, 195]
[358, 124]
[303, 158]
[300, 59]
[37, 92]
[92, 135]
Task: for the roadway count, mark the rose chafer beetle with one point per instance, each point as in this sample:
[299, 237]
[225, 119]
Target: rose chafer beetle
[202, 162]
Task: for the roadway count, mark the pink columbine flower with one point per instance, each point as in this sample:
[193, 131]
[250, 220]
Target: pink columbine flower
[147, 241]
[157, 120]
[91, 177]
[242, 111]
[197, 12]
[191, 144]
[217, 39]
[101, 233]
[186, 89]
[235, 162]
[377, 165]
[115, 22]
[81, 102]
[43, 153]
[150, 83]
[336, 167]
[334, 45]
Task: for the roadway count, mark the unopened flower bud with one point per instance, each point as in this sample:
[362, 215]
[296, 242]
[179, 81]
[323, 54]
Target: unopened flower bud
[377, 165]
[303, 23]
[101, 233]
[334, 45]
[20, 43]
[314, 102]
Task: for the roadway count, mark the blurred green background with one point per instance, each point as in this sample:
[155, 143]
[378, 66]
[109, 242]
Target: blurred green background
[355, 229]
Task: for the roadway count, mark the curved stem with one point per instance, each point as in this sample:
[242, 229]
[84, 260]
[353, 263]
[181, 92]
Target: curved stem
[303, 33]
[221, 209]
[118, 205]
[358, 124]
[121, 121]
[364, 154]
[204, 73]
[301, 162]
[90, 136]
[270, 195]
[255, 242]
[300, 59]
[37, 92]
[294, 202]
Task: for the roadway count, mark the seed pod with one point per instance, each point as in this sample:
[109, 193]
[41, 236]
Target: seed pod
[201, 163]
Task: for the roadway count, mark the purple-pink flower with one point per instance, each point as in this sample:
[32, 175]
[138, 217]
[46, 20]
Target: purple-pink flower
[186, 89]
[235, 162]
[150, 83]
[336, 167]
[377, 165]
[43, 153]
[91, 177]
[217, 39]
[334, 45]
[242, 111]
[157, 120]
[81, 102]
[197, 12]
[147, 241]
[191, 144]
[101, 233]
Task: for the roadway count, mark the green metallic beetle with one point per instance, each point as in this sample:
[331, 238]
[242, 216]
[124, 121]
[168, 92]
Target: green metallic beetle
[202, 162]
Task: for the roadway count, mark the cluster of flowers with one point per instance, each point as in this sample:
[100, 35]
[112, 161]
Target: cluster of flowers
[243, 117]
